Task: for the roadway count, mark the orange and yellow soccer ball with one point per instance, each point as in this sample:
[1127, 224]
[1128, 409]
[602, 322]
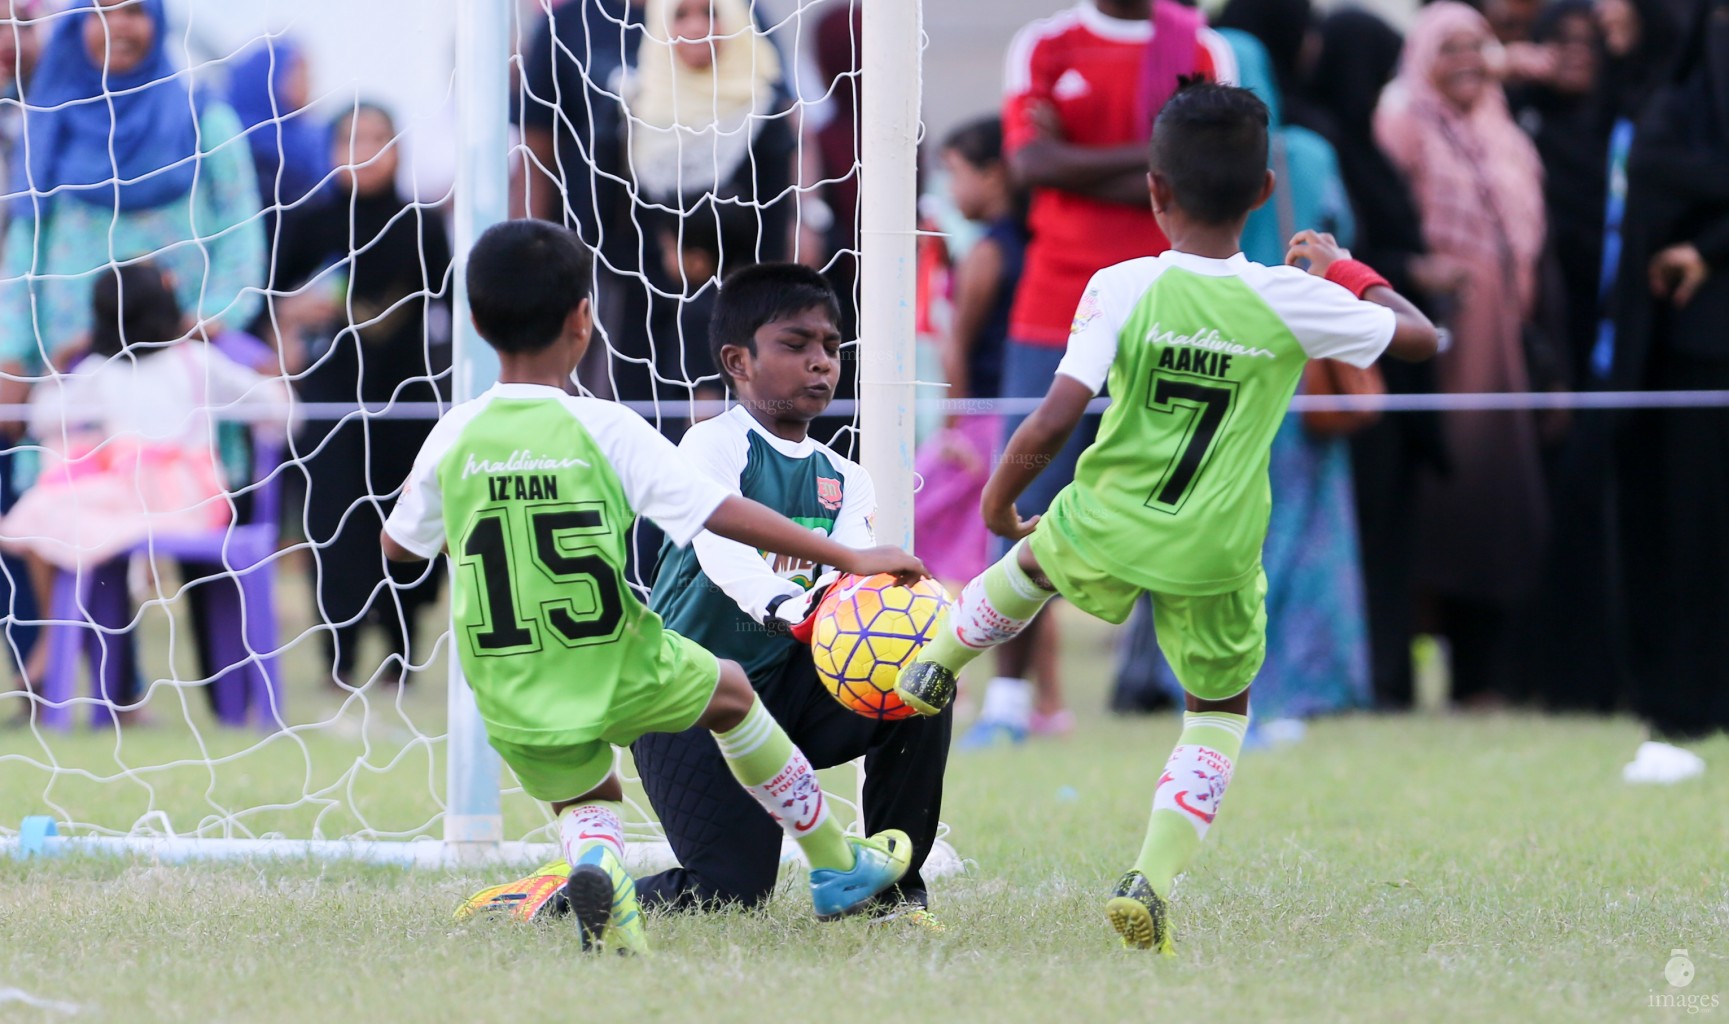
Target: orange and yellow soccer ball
[866, 630]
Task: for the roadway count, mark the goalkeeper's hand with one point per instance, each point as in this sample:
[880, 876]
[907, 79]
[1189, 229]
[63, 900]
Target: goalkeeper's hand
[795, 615]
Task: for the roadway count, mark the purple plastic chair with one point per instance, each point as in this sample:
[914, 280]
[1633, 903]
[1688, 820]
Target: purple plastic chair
[93, 608]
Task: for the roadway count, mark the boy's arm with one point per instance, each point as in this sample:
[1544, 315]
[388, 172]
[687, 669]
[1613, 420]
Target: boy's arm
[1030, 450]
[742, 574]
[854, 528]
[720, 451]
[1414, 338]
[415, 530]
[1081, 375]
[794, 609]
[751, 523]
[396, 552]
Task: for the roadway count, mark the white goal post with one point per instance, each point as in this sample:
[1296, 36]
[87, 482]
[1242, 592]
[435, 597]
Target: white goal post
[473, 825]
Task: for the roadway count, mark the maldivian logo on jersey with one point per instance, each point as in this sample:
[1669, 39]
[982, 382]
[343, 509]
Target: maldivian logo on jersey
[521, 460]
[1207, 339]
[828, 493]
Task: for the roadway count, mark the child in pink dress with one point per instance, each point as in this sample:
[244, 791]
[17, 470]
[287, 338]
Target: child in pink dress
[128, 436]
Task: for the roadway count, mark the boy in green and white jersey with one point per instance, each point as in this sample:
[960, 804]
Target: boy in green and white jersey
[776, 339]
[532, 492]
[1202, 350]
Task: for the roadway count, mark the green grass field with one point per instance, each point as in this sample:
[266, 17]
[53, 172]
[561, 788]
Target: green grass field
[1396, 868]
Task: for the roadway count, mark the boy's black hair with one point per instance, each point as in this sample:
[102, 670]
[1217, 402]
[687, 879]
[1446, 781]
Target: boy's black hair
[524, 279]
[1210, 146]
[979, 142]
[132, 305]
[755, 295]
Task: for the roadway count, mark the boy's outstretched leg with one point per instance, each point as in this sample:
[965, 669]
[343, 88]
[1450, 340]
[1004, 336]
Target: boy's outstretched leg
[1184, 804]
[845, 873]
[996, 606]
[600, 892]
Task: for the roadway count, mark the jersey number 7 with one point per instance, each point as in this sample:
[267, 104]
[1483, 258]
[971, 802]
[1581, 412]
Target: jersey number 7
[1199, 410]
[489, 547]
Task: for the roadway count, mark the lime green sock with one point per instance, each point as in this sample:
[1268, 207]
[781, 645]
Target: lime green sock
[1189, 793]
[992, 608]
[763, 759]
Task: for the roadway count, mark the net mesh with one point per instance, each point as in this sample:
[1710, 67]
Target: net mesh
[262, 673]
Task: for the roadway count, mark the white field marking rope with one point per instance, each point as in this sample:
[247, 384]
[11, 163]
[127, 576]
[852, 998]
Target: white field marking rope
[18, 995]
[1485, 402]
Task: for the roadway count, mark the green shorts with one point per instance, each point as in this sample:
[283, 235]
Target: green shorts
[1214, 642]
[685, 678]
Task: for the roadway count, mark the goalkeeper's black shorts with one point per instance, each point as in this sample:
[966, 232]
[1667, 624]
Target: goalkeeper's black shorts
[727, 845]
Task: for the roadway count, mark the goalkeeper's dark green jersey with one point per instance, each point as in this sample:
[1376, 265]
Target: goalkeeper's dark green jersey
[716, 591]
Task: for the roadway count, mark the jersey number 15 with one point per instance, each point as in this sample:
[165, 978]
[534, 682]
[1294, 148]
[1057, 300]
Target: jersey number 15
[489, 548]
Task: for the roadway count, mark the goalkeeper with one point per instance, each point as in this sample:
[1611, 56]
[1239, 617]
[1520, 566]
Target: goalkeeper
[775, 339]
[533, 492]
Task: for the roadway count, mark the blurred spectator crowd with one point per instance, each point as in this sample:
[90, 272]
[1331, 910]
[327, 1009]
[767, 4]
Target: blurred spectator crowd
[1545, 179]
[1549, 180]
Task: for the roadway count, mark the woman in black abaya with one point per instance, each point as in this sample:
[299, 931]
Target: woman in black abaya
[1672, 333]
[383, 263]
[1358, 55]
[1575, 643]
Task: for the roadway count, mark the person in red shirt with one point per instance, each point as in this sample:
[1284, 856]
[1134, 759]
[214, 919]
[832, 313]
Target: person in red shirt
[1082, 88]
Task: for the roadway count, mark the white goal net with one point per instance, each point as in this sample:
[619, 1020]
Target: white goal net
[295, 182]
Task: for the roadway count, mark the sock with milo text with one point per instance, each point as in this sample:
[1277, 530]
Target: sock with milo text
[994, 607]
[765, 761]
[590, 824]
[1189, 793]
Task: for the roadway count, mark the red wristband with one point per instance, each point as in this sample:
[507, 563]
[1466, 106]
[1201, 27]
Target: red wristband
[1355, 276]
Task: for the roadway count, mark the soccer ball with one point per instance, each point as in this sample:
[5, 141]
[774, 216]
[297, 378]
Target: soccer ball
[866, 630]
